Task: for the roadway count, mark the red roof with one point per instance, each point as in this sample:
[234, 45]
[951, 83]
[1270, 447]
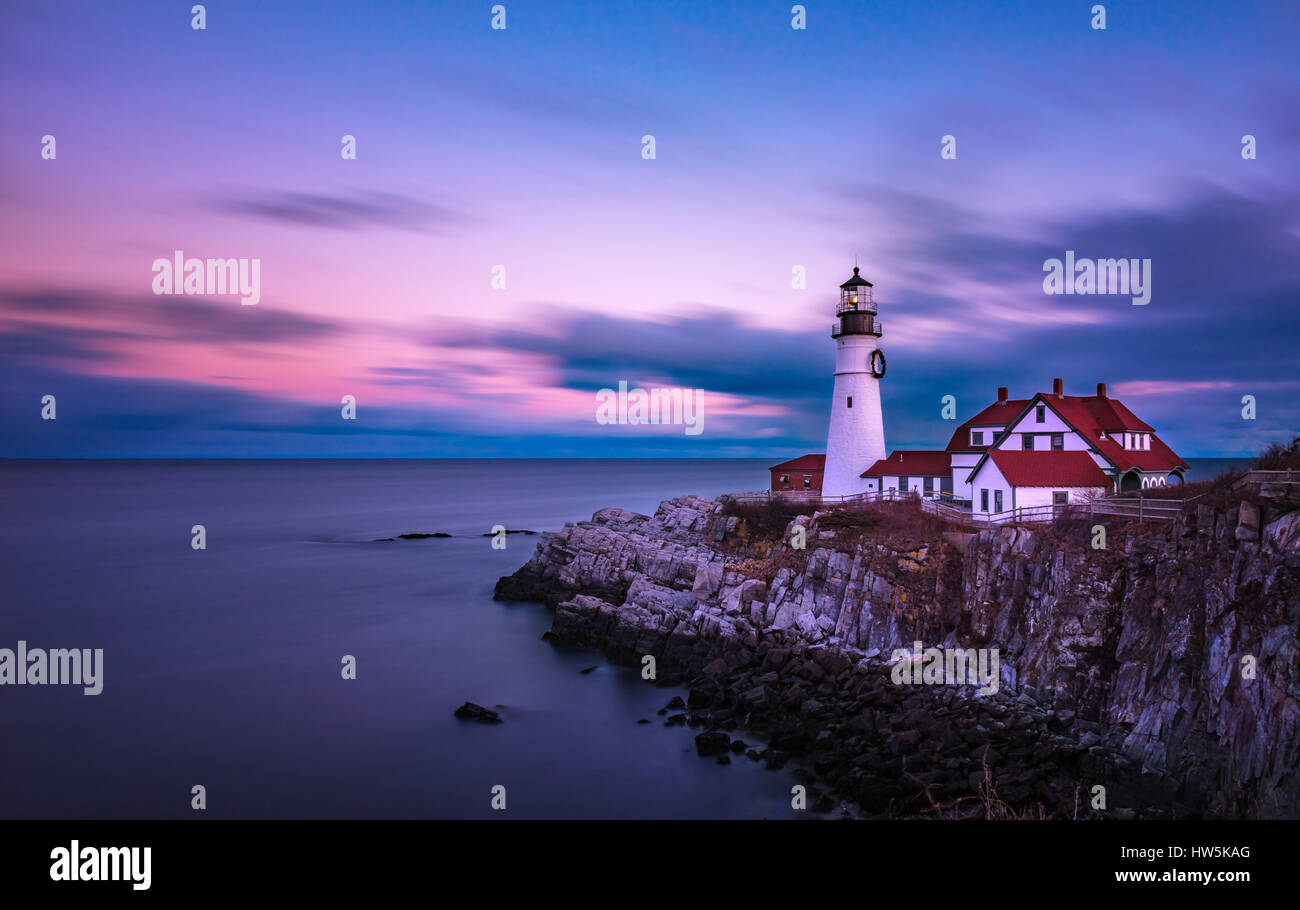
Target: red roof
[1094, 415]
[913, 464]
[802, 463]
[998, 414]
[1113, 415]
[1158, 458]
[1048, 469]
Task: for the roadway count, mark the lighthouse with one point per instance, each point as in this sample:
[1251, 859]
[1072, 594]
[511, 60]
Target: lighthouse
[856, 439]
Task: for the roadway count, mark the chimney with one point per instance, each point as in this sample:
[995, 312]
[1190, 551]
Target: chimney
[1058, 388]
[1101, 390]
[1002, 394]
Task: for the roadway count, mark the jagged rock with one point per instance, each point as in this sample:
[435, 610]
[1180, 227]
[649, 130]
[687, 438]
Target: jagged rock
[1248, 522]
[1136, 651]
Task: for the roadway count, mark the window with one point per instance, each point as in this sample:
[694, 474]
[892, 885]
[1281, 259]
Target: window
[1040, 414]
[785, 481]
[902, 483]
[850, 401]
[807, 481]
[997, 500]
[1146, 440]
[1058, 442]
[977, 437]
[1060, 497]
[1027, 441]
[929, 484]
[984, 500]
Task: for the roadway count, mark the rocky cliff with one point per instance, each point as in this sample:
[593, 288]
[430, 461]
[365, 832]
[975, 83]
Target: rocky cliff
[1164, 667]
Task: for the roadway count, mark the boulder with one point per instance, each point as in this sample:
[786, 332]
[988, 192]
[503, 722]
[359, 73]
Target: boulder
[713, 742]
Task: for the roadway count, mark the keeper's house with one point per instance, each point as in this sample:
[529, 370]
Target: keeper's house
[1049, 449]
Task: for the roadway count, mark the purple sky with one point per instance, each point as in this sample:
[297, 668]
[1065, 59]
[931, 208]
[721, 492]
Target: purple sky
[521, 147]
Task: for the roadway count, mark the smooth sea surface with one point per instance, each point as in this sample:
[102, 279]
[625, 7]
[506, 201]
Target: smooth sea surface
[222, 666]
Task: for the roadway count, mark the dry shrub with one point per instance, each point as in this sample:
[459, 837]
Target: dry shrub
[986, 804]
[766, 520]
[1280, 457]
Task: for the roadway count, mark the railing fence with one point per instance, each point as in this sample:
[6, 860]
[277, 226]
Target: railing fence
[1140, 509]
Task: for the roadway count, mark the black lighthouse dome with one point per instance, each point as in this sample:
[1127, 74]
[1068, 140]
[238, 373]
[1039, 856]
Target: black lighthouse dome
[857, 281]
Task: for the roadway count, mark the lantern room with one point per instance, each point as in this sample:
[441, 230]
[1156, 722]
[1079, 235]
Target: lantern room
[855, 294]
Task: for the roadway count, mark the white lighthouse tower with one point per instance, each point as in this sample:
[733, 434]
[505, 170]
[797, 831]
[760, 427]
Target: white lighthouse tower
[856, 439]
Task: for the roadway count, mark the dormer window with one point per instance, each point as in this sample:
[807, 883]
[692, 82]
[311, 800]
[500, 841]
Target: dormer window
[977, 437]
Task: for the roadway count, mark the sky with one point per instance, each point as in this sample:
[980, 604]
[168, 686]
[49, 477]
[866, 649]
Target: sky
[517, 156]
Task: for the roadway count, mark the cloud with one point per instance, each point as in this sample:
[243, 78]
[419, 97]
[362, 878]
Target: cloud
[85, 323]
[547, 98]
[1222, 323]
[713, 351]
[358, 210]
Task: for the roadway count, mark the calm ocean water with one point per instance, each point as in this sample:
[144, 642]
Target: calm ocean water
[222, 667]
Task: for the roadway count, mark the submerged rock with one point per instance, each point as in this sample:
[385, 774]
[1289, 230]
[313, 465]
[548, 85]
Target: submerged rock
[471, 711]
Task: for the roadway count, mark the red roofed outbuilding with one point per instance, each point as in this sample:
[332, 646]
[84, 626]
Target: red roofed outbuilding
[799, 474]
[928, 473]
